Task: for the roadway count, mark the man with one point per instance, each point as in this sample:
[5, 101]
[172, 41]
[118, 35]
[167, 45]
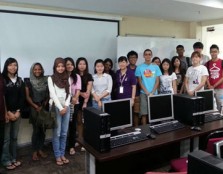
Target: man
[148, 79]
[198, 46]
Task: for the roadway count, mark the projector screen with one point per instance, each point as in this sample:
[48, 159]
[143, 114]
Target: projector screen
[30, 38]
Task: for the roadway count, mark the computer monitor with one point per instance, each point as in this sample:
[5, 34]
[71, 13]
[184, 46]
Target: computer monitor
[120, 112]
[160, 108]
[200, 162]
[208, 99]
[218, 149]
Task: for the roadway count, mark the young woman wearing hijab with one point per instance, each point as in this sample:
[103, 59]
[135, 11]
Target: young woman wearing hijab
[37, 95]
[59, 89]
[14, 101]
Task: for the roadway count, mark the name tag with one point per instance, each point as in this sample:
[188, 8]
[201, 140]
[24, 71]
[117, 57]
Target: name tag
[121, 89]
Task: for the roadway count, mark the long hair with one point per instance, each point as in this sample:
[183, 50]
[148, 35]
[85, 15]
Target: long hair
[181, 69]
[170, 70]
[86, 71]
[73, 74]
[7, 63]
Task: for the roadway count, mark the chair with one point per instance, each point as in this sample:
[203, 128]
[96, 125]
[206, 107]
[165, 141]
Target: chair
[180, 164]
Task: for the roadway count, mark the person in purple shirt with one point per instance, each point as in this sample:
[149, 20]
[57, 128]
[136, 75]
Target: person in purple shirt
[125, 81]
[132, 58]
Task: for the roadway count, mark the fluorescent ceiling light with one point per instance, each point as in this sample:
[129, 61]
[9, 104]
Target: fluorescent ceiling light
[208, 3]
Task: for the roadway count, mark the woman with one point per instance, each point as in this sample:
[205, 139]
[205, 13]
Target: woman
[75, 82]
[102, 85]
[14, 98]
[86, 86]
[37, 96]
[108, 64]
[59, 89]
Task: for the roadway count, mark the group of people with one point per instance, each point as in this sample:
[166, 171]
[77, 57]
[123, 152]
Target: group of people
[71, 88]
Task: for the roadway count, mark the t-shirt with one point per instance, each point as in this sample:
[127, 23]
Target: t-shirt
[166, 83]
[75, 87]
[137, 85]
[148, 73]
[204, 59]
[126, 81]
[215, 70]
[194, 75]
[179, 81]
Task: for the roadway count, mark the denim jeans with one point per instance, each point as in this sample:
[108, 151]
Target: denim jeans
[95, 104]
[219, 98]
[60, 133]
[2, 130]
[10, 142]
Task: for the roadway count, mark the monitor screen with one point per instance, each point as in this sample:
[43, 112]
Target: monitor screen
[160, 108]
[200, 162]
[120, 112]
[208, 99]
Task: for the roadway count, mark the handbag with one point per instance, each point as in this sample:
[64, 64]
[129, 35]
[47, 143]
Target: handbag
[47, 119]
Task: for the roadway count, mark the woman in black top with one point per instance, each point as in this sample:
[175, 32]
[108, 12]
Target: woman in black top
[14, 98]
[37, 97]
[85, 93]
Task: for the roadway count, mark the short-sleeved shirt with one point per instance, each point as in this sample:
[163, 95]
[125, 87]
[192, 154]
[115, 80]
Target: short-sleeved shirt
[137, 85]
[126, 81]
[84, 82]
[194, 75]
[76, 86]
[215, 70]
[148, 74]
[166, 83]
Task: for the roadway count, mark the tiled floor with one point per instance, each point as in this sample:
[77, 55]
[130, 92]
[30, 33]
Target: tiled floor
[48, 165]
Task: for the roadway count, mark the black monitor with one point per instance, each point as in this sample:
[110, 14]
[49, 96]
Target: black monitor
[120, 112]
[160, 108]
[200, 162]
[208, 99]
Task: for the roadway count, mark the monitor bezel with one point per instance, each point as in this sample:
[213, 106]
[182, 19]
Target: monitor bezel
[208, 111]
[160, 119]
[217, 147]
[130, 109]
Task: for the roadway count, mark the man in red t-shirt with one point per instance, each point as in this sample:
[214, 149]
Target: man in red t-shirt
[215, 80]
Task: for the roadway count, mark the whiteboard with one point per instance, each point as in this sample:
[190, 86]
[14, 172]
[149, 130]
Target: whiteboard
[31, 38]
[161, 47]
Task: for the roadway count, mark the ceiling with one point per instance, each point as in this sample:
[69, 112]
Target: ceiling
[178, 10]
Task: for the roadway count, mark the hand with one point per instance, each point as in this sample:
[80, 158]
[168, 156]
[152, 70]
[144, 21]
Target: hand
[97, 98]
[150, 94]
[99, 104]
[38, 108]
[211, 87]
[63, 111]
[191, 93]
[17, 114]
[11, 116]
[84, 105]
[74, 100]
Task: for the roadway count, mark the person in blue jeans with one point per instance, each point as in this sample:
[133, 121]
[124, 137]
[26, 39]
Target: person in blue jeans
[14, 101]
[59, 89]
[102, 85]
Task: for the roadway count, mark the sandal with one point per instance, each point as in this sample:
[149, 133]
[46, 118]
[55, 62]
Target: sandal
[59, 162]
[17, 163]
[42, 154]
[10, 167]
[65, 160]
[35, 157]
[72, 151]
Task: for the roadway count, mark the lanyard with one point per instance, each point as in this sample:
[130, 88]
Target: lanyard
[122, 79]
